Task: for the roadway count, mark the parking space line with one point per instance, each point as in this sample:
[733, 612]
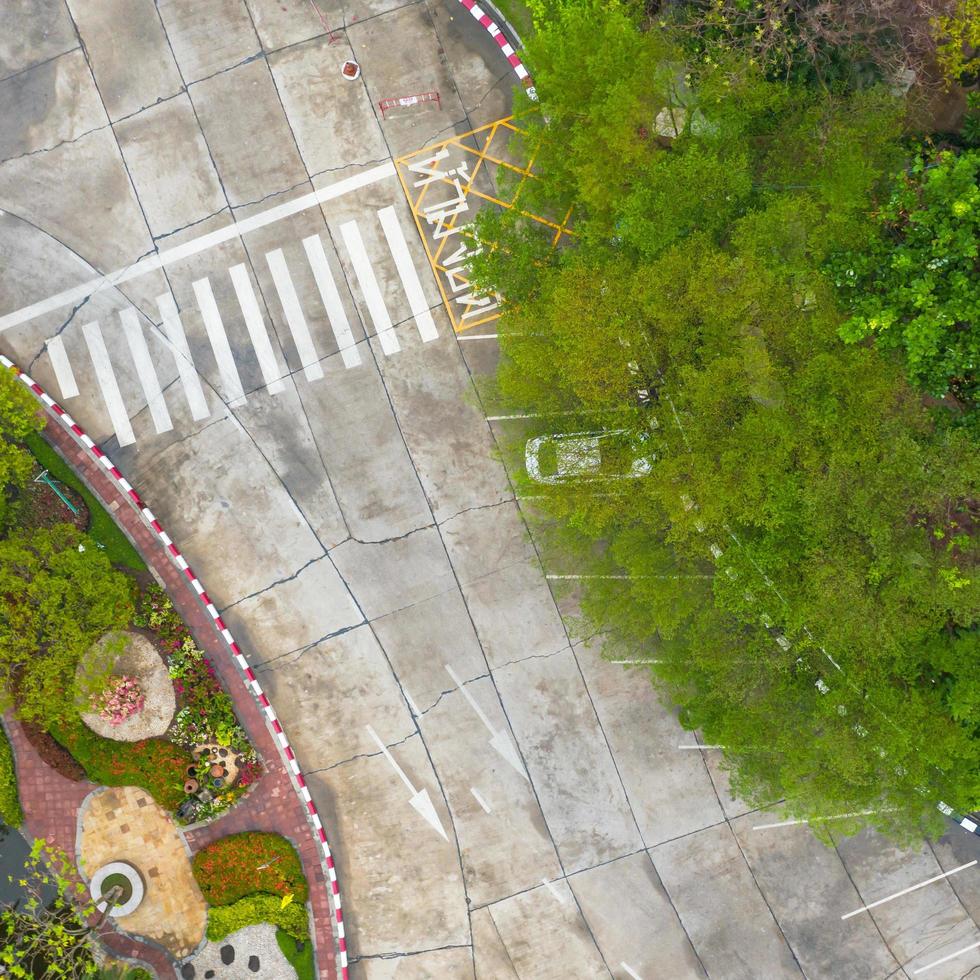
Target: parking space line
[255, 325]
[294, 314]
[174, 331]
[479, 799]
[794, 823]
[699, 747]
[406, 270]
[946, 959]
[332, 302]
[631, 971]
[912, 888]
[196, 245]
[114, 404]
[62, 369]
[369, 287]
[145, 370]
[478, 336]
[227, 370]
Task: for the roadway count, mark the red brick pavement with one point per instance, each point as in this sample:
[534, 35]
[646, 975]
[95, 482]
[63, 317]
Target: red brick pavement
[272, 805]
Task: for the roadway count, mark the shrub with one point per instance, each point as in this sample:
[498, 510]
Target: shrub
[299, 954]
[233, 867]
[154, 765]
[10, 811]
[253, 911]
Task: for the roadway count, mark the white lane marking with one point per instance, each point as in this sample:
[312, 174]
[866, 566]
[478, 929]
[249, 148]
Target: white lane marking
[410, 278]
[420, 798]
[62, 369]
[197, 245]
[413, 707]
[946, 959]
[294, 314]
[631, 971]
[174, 331]
[107, 382]
[479, 799]
[635, 662]
[554, 891]
[499, 740]
[627, 577]
[478, 336]
[793, 823]
[911, 888]
[255, 324]
[332, 302]
[699, 747]
[369, 287]
[225, 360]
[145, 370]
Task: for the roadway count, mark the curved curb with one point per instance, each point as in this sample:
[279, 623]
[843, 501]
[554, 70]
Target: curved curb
[302, 790]
[493, 29]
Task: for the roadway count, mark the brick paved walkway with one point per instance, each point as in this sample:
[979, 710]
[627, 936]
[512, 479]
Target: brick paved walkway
[51, 802]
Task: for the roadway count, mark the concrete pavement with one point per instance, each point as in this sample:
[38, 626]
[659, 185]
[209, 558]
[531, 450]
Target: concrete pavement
[326, 465]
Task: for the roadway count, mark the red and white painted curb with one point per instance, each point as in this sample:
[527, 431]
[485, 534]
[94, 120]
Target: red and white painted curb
[251, 683]
[493, 29]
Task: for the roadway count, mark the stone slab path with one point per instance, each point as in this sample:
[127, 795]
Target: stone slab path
[51, 802]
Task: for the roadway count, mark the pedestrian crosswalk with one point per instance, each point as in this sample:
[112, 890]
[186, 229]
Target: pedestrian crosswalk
[134, 362]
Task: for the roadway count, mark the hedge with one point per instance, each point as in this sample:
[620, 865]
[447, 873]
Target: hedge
[254, 910]
[299, 954]
[242, 864]
[10, 811]
[153, 764]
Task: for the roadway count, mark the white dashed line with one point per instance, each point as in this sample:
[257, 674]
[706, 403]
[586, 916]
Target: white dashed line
[912, 888]
[479, 799]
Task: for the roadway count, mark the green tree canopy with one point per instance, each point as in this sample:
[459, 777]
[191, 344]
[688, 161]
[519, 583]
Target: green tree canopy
[19, 416]
[58, 594]
[800, 557]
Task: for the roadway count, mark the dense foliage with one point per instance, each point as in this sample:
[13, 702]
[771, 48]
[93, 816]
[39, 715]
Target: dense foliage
[298, 953]
[58, 595]
[10, 811]
[241, 864]
[255, 909]
[914, 285]
[19, 417]
[153, 764]
[800, 559]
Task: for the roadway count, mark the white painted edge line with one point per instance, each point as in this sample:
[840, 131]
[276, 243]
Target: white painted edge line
[479, 799]
[631, 971]
[794, 823]
[114, 403]
[699, 747]
[370, 290]
[197, 245]
[145, 370]
[633, 663]
[62, 368]
[911, 888]
[477, 336]
[946, 959]
[411, 283]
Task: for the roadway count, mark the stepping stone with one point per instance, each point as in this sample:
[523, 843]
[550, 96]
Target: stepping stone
[187, 971]
[253, 963]
[208, 974]
[227, 954]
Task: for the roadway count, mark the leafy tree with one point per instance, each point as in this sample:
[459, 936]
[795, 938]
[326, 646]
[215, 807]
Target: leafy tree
[58, 594]
[45, 936]
[915, 286]
[958, 30]
[19, 417]
[802, 498]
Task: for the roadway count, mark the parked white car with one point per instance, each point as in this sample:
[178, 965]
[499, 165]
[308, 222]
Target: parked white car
[616, 454]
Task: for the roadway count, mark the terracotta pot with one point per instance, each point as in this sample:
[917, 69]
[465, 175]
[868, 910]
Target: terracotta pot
[191, 787]
[191, 771]
[217, 769]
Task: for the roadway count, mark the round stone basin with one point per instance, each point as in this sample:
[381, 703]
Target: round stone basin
[127, 877]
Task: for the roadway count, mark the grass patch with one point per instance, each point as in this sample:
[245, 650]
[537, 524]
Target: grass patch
[518, 15]
[154, 765]
[241, 864]
[101, 527]
[301, 959]
[10, 811]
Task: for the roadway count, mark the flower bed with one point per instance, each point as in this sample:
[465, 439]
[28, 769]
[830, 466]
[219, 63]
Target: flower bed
[239, 865]
[121, 699]
[206, 713]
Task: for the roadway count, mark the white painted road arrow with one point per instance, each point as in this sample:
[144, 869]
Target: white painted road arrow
[420, 798]
[499, 741]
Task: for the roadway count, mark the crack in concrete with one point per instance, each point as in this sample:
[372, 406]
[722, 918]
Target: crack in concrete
[191, 224]
[272, 585]
[55, 146]
[416, 952]
[263, 665]
[347, 166]
[362, 755]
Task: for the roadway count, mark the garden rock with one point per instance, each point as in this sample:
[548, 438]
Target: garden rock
[243, 955]
[137, 657]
